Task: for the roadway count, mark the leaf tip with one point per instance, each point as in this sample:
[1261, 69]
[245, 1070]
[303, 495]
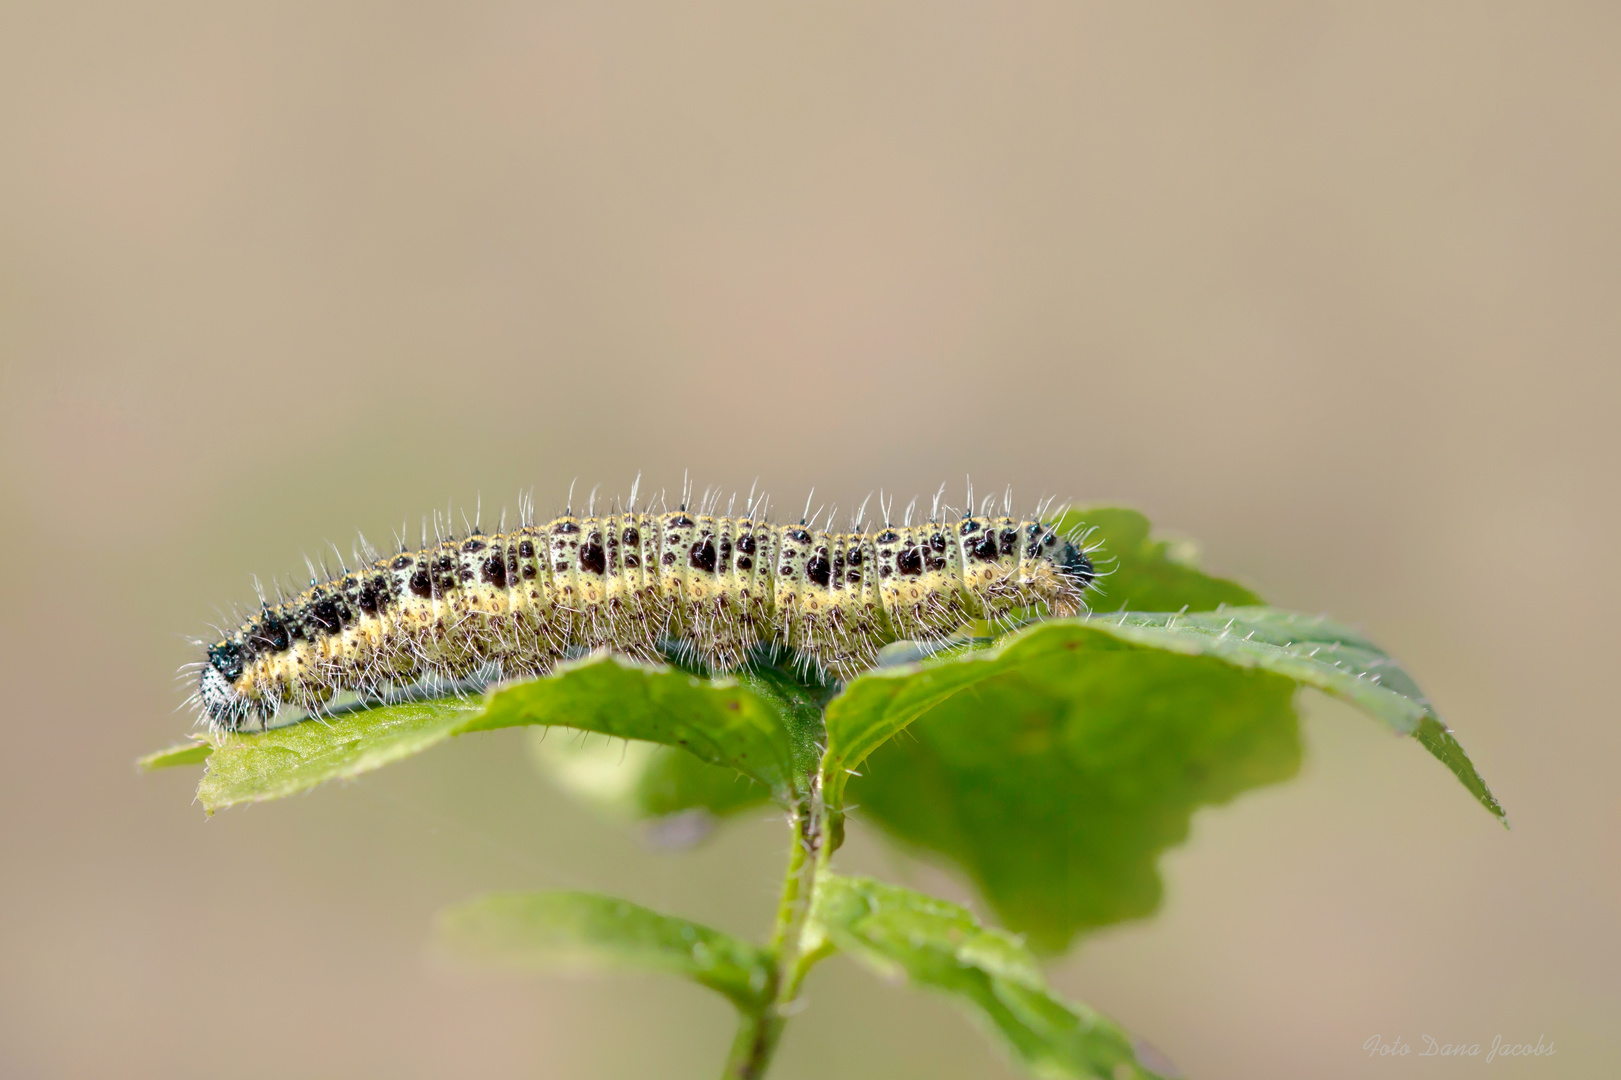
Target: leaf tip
[1438, 740]
[194, 752]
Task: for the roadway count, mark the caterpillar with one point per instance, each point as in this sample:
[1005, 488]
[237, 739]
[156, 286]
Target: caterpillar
[511, 604]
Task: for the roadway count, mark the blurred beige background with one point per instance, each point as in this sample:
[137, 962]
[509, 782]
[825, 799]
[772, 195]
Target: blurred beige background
[1332, 288]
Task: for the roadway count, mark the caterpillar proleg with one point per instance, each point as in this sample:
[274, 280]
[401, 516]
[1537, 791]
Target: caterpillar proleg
[510, 604]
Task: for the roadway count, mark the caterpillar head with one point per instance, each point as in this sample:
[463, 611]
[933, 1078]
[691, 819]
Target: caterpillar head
[223, 705]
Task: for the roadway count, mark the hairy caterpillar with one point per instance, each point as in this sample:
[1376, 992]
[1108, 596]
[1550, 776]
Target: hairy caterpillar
[511, 604]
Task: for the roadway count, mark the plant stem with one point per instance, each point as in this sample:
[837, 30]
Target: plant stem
[757, 1034]
[758, 1031]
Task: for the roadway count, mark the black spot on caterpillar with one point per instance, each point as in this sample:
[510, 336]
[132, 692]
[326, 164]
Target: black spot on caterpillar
[512, 604]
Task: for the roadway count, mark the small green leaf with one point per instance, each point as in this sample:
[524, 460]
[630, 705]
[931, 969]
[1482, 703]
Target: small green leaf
[671, 783]
[942, 946]
[643, 780]
[719, 721]
[877, 706]
[194, 752]
[571, 930]
[1140, 574]
[800, 695]
[286, 760]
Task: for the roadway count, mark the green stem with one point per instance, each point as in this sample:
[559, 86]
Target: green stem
[757, 1034]
[759, 1030]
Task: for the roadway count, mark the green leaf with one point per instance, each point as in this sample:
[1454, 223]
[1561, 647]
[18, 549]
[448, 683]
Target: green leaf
[194, 752]
[942, 946]
[1073, 760]
[283, 761]
[570, 930]
[1068, 757]
[1317, 652]
[877, 706]
[672, 783]
[1437, 739]
[1140, 574]
[720, 722]
[800, 694]
[642, 780]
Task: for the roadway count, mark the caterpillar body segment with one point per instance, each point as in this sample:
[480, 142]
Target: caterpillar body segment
[512, 604]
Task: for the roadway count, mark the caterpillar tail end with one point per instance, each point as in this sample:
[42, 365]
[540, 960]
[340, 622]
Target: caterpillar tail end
[1074, 564]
